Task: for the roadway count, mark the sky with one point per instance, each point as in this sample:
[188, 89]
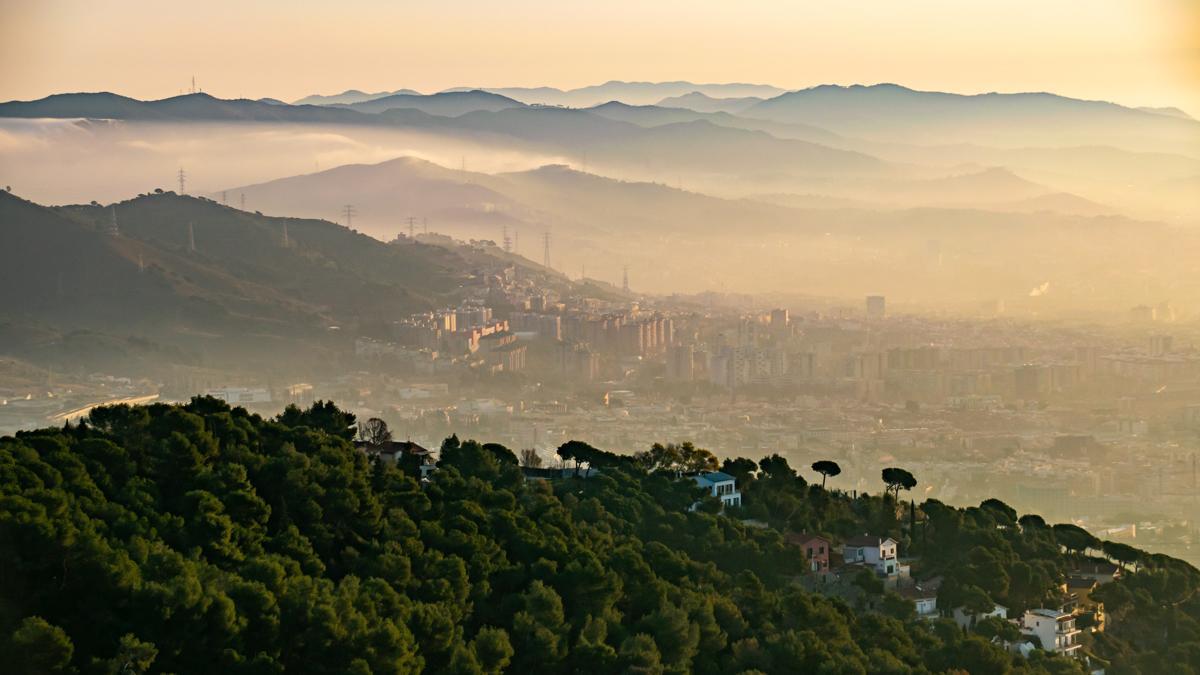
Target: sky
[1135, 52]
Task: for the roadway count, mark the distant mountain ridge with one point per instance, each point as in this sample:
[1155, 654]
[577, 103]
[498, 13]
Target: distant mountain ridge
[446, 104]
[186, 107]
[894, 112]
[703, 103]
[633, 93]
[349, 96]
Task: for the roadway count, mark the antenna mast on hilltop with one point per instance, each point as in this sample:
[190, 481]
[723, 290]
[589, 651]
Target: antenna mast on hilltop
[348, 212]
[182, 175]
[412, 227]
[546, 249]
[193, 89]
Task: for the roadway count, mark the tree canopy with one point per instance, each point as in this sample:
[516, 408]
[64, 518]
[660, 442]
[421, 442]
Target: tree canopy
[201, 538]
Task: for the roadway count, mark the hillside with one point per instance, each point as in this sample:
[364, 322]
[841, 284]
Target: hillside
[826, 242]
[386, 194]
[237, 290]
[195, 538]
[577, 205]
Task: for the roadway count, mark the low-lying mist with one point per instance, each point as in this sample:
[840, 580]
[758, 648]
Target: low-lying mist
[968, 238]
[74, 161]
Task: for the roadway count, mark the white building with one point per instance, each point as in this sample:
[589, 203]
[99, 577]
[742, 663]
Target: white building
[1054, 629]
[876, 552]
[240, 395]
[720, 485]
[925, 600]
[966, 619]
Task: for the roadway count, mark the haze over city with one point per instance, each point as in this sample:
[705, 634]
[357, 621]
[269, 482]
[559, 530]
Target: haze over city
[650, 337]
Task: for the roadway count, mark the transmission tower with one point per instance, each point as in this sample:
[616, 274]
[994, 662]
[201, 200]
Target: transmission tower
[506, 240]
[348, 212]
[625, 278]
[224, 198]
[182, 181]
[546, 249]
[286, 242]
[412, 227]
[112, 226]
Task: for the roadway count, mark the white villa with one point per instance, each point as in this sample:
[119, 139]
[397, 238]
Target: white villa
[720, 485]
[1054, 629]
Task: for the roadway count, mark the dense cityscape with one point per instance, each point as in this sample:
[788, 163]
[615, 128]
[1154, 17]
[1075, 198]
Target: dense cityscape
[1093, 424]
[643, 338]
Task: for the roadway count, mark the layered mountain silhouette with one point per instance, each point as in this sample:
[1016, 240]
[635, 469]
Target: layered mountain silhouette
[893, 112]
[232, 266]
[204, 278]
[988, 216]
[633, 93]
[350, 96]
[853, 143]
[186, 107]
[703, 103]
[447, 104]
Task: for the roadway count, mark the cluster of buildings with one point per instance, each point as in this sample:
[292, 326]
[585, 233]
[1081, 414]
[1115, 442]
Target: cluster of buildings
[1059, 629]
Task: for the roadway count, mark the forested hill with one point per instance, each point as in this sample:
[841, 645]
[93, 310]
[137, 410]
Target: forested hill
[217, 266]
[214, 285]
[200, 539]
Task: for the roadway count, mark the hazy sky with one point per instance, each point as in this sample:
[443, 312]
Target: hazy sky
[1138, 52]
